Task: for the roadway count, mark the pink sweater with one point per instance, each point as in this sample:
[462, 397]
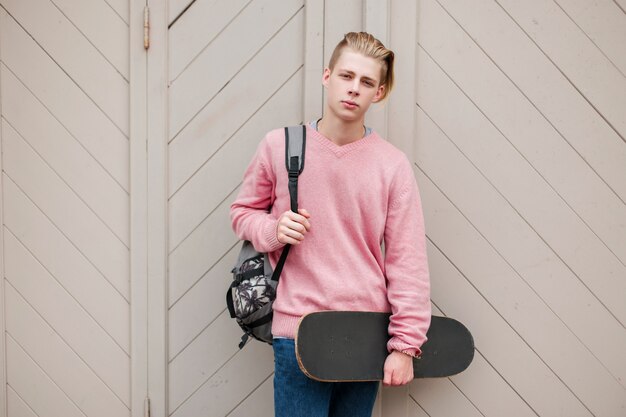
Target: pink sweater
[358, 195]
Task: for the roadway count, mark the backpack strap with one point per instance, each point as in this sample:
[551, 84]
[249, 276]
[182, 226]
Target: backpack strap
[295, 144]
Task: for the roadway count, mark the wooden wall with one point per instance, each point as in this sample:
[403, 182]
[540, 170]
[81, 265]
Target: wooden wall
[119, 166]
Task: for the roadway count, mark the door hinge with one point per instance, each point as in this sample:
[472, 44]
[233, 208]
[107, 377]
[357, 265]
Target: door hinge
[146, 28]
[146, 407]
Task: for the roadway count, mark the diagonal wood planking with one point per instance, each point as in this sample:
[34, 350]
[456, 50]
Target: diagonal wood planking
[16, 407]
[48, 191]
[34, 387]
[585, 66]
[121, 8]
[65, 262]
[61, 363]
[185, 264]
[474, 154]
[65, 155]
[39, 72]
[605, 25]
[562, 169]
[76, 55]
[231, 158]
[191, 312]
[535, 261]
[102, 27]
[63, 72]
[255, 90]
[193, 88]
[580, 125]
[203, 135]
[187, 41]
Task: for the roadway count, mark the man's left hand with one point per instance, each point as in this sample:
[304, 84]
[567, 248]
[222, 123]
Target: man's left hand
[398, 369]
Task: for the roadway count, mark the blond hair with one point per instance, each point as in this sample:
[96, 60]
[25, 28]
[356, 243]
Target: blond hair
[366, 44]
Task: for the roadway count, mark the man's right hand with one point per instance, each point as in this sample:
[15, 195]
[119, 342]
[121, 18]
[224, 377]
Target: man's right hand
[292, 227]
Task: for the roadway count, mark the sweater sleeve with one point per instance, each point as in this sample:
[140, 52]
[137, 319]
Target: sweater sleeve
[249, 213]
[406, 265]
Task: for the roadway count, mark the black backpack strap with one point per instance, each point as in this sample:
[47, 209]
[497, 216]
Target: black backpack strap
[295, 145]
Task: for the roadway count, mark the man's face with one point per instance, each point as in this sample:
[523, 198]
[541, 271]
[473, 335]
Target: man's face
[352, 85]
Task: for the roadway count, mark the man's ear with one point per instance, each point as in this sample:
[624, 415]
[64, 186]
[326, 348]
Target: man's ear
[326, 77]
[379, 94]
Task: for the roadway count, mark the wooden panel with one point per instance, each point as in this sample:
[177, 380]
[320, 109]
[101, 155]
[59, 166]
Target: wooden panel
[259, 404]
[186, 263]
[64, 99]
[537, 263]
[197, 28]
[176, 7]
[102, 27]
[67, 318]
[67, 264]
[415, 410]
[59, 361]
[78, 58]
[402, 39]
[218, 120]
[580, 60]
[34, 387]
[440, 398]
[313, 59]
[496, 340]
[143, 376]
[521, 306]
[200, 360]
[534, 138]
[489, 392]
[534, 74]
[221, 393]
[193, 89]
[16, 407]
[63, 207]
[189, 262]
[65, 155]
[223, 170]
[200, 306]
[121, 8]
[340, 17]
[604, 23]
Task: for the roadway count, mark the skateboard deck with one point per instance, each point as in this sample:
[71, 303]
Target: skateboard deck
[339, 346]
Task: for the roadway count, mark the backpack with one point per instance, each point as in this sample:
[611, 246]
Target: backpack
[253, 290]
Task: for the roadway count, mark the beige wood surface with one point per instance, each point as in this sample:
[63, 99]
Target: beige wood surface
[64, 76]
[571, 115]
[570, 230]
[103, 27]
[37, 389]
[16, 406]
[119, 166]
[64, 99]
[62, 364]
[76, 55]
[194, 31]
[593, 74]
[605, 25]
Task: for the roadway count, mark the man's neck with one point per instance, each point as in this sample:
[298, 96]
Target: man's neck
[340, 131]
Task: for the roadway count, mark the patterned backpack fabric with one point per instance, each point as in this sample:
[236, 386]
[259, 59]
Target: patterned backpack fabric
[253, 290]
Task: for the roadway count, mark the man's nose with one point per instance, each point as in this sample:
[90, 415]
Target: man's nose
[354, 88]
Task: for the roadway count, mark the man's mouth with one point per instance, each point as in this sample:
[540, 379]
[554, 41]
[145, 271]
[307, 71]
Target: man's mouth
[349, 103]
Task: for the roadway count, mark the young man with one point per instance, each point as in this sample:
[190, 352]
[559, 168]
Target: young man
[356, 191]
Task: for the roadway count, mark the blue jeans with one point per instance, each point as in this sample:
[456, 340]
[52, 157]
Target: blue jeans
[295, 395]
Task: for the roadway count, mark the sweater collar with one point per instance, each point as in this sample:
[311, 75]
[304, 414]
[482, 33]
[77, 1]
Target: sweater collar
[341, 150]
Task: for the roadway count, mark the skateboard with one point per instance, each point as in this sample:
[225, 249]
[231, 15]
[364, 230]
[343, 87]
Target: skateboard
[340, 346]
